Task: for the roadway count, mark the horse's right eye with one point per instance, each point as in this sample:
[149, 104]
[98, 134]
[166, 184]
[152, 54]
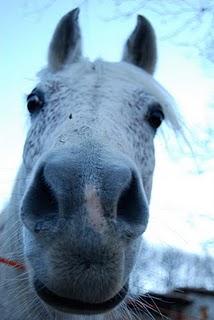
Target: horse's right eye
[35, 100]
[155, 116]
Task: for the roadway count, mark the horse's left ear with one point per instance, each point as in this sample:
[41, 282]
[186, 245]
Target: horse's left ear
[65, 46]
[140, 48]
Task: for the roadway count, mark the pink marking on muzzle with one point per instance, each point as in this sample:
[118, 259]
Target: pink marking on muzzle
[94, 208]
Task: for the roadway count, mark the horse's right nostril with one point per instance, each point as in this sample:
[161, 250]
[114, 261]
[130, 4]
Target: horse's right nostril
[132, 206]
[39, 204]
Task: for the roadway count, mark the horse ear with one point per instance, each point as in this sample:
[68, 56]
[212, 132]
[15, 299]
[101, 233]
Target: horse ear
[140, 48]
[65, 46]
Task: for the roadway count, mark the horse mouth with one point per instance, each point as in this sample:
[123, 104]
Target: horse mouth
[76, 306]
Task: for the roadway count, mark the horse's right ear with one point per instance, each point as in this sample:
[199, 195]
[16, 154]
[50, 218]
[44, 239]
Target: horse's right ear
[140, 48]
[65, 46]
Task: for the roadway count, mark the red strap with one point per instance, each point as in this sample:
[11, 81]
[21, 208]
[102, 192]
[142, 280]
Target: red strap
[11, 263]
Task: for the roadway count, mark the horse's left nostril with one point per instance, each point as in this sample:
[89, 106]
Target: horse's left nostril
[132, 206]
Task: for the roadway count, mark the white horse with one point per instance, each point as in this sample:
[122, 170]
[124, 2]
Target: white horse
[71, 232]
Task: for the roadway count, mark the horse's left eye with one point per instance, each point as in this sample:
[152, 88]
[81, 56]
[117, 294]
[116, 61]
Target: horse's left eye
[35, 100]
[155, 117]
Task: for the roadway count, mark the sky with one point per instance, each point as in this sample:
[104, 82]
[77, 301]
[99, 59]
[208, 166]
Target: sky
[182, 197]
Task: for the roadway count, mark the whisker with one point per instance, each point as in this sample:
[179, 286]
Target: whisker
[156, 306]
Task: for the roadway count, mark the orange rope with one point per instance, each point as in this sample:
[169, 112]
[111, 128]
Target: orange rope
[12, 263]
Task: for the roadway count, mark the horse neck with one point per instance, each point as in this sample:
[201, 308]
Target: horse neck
[11, 243]
[11, 248]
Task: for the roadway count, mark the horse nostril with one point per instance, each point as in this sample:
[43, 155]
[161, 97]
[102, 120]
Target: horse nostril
[132, 206]
[39, 204]
[87, 264]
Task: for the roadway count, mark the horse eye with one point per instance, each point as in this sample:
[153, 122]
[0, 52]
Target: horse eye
[35, 100]
[155, 117]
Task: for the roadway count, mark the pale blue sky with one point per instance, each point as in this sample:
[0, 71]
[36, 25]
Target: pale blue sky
[180, 196]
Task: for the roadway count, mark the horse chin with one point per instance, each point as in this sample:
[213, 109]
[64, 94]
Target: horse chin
[72, 306]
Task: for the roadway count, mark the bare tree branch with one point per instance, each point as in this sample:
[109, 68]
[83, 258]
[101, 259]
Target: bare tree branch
[188, 23]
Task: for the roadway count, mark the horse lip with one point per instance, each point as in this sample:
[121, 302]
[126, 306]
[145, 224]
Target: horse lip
[76, 306]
